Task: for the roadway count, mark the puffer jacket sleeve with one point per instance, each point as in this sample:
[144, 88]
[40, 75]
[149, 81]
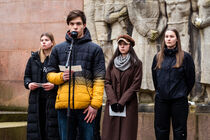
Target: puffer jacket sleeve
[53, 61]
[55, 78]
[98, 78]
[28, 74]
[54, 75]
[189, 68]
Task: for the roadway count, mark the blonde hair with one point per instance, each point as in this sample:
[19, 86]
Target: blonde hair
[42, 55]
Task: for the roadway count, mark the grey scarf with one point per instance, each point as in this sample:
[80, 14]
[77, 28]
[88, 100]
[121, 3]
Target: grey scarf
[122, 63]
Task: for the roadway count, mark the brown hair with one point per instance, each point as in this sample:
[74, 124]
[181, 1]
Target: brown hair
[179, 54]
[134, 58]
[74, 14]
[50, 35]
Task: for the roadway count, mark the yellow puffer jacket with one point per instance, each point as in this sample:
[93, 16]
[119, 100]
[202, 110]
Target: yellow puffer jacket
[83, 95]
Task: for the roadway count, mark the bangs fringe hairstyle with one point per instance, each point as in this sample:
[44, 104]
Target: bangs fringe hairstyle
[74, 14]
[179, 54]
[50, 35]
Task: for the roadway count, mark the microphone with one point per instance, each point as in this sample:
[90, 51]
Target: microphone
[74, 34]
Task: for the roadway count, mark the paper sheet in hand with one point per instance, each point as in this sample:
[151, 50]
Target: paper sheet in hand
[73, 68]
[119, 114]
[39, 84]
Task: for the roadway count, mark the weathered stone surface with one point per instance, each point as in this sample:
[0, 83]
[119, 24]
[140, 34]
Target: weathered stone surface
[13, 95]
[203, 126]
[22, 23]
[203, 108]
[8, 116]
[146, 21]
[197, 126]
[149, 21]
[13, 131]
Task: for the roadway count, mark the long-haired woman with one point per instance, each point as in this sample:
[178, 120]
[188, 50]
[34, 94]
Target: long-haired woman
[173, 74]
[122, 82]
[42, 116]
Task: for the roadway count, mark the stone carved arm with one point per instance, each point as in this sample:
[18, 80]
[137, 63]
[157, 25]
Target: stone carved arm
[197, 21]
[137, 21]
[205, 23]
[194, 18]
[115, 16]
[163, 19]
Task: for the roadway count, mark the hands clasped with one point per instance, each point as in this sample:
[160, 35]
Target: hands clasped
[46, 86]
[116, 107]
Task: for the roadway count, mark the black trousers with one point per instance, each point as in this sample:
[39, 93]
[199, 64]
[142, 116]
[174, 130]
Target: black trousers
[175, 110]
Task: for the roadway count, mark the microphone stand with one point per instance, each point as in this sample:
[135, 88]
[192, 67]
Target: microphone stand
[68, 62]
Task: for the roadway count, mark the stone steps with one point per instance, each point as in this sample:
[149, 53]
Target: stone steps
[13, 130]
[11, 116]
[13, 125]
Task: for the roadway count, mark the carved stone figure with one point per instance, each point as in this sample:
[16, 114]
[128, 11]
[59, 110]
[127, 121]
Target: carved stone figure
[149, 21]
[178, 12]
[202, 22]
[95, 10]
[116, 16]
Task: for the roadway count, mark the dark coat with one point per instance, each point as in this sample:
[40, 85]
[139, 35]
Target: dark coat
[36, 72]
[121, 87]
[172, 83]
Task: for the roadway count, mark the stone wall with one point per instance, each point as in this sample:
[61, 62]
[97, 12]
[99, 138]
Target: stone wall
[21, 24]
[198, 126]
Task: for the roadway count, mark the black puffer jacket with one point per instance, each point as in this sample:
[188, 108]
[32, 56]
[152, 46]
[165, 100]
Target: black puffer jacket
[36, 72]
[172, 83]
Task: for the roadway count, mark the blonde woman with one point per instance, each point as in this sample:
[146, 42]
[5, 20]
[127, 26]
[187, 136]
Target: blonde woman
[42, 116]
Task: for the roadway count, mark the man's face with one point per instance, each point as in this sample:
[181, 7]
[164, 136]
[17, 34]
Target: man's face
[77, 25]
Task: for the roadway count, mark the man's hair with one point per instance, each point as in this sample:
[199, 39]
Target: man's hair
[74, 14]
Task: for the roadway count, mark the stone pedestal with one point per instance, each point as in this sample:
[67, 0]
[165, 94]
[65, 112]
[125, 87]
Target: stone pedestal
[203, 108]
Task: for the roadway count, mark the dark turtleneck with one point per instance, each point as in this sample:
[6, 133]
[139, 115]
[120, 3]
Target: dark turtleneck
[170, 52]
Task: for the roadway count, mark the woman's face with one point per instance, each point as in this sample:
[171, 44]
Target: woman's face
[170, 39]
[46, 43]
[123, 48]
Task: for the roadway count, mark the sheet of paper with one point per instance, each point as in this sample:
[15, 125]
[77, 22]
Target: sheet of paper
[119, 114]
[39, 84]
[76, 68]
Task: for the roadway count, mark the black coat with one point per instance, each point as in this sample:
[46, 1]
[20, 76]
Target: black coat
[36, 72]
[172, 83]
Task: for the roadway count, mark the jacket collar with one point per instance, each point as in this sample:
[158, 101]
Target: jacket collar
[85, 38]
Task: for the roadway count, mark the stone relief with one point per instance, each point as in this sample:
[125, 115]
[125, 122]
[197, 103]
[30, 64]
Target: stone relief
[201, 20]
[149, 21]
[145, 21]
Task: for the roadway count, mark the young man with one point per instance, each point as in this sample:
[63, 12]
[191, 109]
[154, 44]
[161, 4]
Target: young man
[87, 84]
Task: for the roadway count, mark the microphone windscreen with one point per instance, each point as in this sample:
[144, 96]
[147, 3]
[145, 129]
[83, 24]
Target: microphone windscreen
[74, 34]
